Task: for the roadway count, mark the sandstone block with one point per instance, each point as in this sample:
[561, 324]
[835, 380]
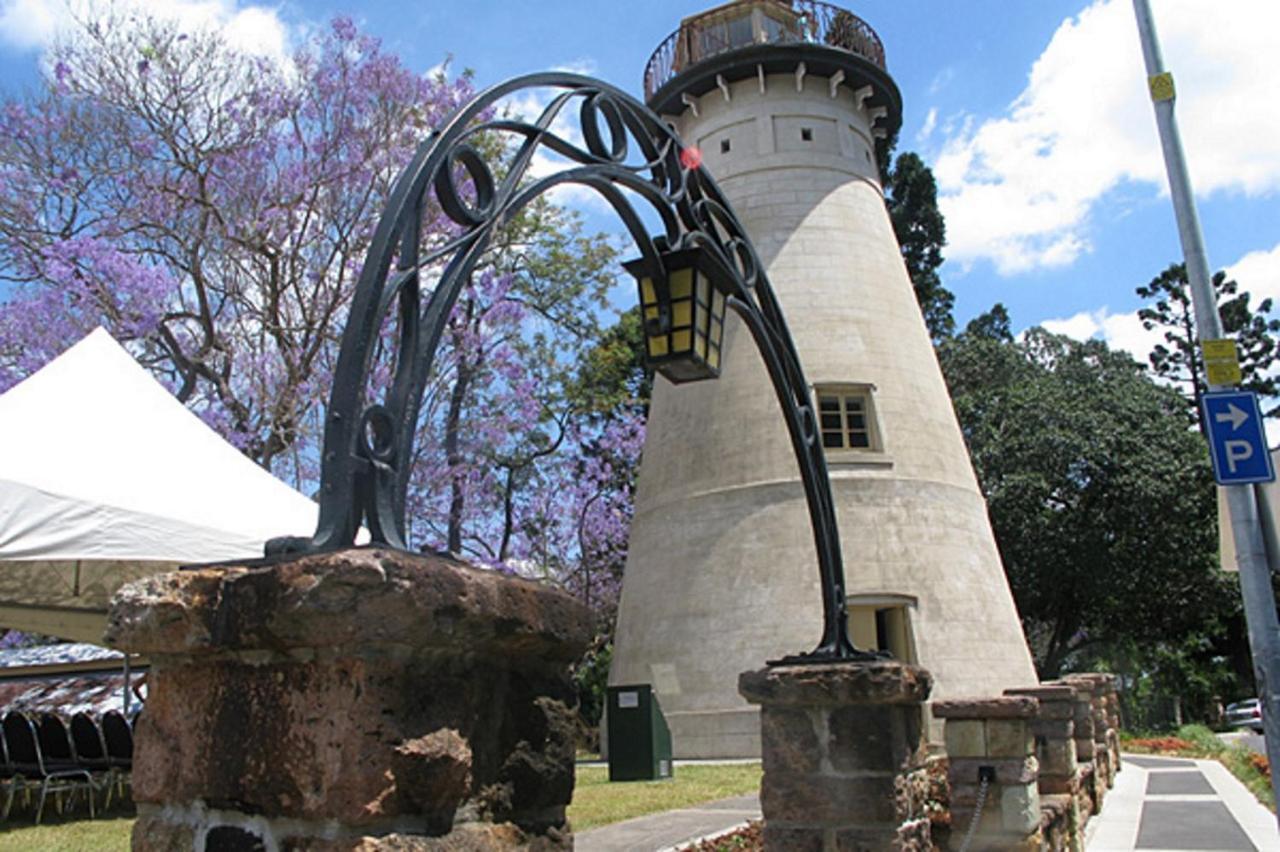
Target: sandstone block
[151, 834]
[353, 692]
[1008, 707]
[799, 838]
[1020, 808]
[1058, 784]
[881, 738]
[1008, 771]
[1053, 729]
[1009, 738]
[789, 739]
[1056, 701]
[1057, 757]
[818, 799]
[966, 738]
[881, 682]
[359, 597]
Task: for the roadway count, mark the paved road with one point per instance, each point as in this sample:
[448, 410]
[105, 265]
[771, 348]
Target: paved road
[1254, 742]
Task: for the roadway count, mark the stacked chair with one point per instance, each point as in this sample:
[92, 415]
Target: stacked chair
[43, 755]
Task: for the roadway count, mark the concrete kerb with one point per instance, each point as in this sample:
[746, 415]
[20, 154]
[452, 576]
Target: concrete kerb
[689, 844]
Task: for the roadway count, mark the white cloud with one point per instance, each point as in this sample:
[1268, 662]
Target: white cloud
[1258, 272]
[257, 30]
[926, 129]
[1019, 189]
[1121, 331]
[29, 23]
[253, 28]
[941, 80]
[529, 105]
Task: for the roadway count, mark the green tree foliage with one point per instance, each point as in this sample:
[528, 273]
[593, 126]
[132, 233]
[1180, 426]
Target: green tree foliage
[612, 375]
[912, 197]
[1178, 359]
[1171, 682]
[1099, 491]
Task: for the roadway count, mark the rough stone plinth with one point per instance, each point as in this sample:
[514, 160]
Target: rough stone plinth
[1101, 690]
[843, 755]
[1053, 731]
[364, 699]
[993, 771]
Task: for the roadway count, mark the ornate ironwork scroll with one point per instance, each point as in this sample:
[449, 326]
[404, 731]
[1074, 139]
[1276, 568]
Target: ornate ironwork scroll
[628, 154]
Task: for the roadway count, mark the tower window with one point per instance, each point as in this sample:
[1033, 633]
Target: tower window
[724, 146]
[846, 418]
[806, 134]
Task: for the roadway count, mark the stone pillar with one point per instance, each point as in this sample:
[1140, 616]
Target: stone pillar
[1111, 712]
[990, 744]
[1053, 731]
[1101, 687]
[364, 699]
[1088, 797]
[843, 755]
[1092, 780]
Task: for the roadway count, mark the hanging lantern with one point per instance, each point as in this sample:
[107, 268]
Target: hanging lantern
[683, 315]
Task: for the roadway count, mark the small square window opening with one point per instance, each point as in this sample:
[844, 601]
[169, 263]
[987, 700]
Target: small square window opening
[845, 419]
[806, 134]
[724, 146]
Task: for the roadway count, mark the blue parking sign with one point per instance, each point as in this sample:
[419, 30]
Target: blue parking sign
[1237, 440]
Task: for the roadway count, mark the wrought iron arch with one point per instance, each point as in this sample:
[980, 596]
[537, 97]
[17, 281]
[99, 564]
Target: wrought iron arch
[368, 445]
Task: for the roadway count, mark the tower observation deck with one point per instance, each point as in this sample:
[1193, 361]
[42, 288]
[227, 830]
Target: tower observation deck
[788, 103]
[765, 37]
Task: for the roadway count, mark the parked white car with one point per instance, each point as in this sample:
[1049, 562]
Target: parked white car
[1245, 714]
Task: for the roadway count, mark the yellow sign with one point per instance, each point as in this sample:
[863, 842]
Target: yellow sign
[1161, 86]
[1219, 350]
[1223, 372]
[1221, 361]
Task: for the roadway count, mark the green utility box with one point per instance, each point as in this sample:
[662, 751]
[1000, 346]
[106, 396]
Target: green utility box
[639, 739]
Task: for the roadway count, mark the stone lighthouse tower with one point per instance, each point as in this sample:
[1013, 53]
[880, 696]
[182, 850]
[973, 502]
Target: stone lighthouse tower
[786, 102]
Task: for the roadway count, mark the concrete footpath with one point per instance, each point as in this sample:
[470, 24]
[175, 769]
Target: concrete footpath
[1167, 803]
[669, 829]
[1158, 803]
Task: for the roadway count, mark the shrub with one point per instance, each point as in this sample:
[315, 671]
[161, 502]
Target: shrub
[1202, 738]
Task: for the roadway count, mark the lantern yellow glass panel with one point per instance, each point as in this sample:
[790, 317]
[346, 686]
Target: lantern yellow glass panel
[683, 315]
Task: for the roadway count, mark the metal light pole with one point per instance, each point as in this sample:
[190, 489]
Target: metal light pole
[1251, 554]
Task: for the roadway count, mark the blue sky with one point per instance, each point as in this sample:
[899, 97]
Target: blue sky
[1033, 114]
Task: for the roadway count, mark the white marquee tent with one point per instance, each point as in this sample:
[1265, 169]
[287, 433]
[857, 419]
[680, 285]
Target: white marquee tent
[105, 476]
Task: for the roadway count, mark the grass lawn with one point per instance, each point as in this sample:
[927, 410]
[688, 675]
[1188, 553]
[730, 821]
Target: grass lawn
[97, 835]
[595, 802]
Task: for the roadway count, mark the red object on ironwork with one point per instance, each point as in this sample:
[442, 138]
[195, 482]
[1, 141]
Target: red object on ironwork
[691, 157]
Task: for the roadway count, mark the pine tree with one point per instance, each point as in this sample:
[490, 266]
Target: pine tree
[1179, 360]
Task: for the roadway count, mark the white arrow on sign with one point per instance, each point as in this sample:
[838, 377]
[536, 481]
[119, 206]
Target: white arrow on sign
[1232, 415]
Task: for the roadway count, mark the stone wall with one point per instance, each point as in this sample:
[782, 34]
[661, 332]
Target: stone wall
[1027, 770]
[363, 699]
[844, 755]
[993, 771]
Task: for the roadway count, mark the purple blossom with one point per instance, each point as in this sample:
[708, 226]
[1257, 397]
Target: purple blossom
[217, 218]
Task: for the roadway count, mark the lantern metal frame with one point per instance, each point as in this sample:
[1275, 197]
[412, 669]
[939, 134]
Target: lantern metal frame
[368, 445]
[698, 315]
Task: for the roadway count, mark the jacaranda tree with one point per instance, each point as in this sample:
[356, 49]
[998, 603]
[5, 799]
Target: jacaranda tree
[212, 210]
